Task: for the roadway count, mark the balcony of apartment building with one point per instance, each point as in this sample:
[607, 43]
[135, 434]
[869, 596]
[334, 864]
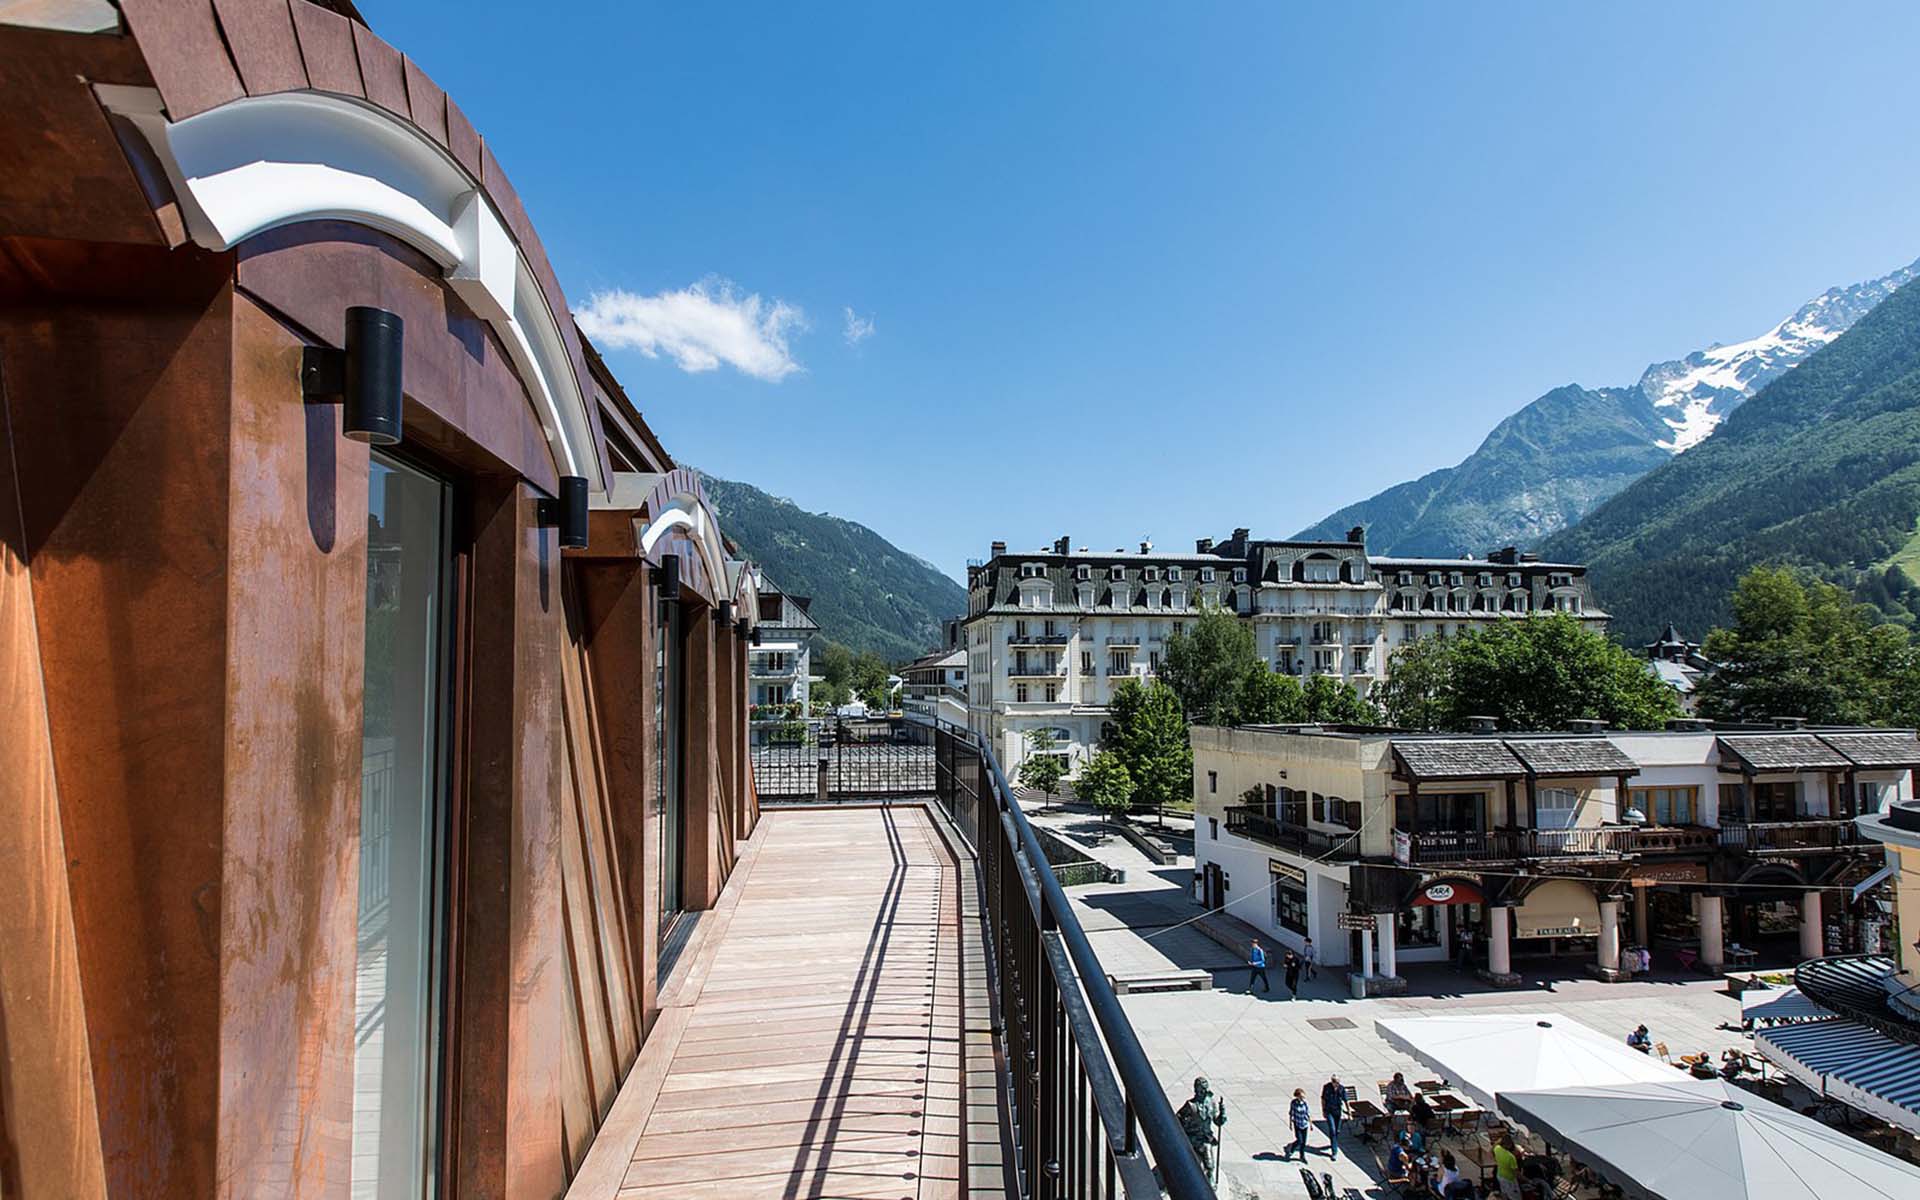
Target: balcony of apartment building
[1518, 799]
[1036, 668]
[1795, 794]
[1258, 823]
[922, 1016]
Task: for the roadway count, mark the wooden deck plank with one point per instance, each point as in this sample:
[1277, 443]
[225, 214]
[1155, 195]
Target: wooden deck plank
[818, 1050]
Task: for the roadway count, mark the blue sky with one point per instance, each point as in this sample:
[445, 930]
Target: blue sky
[1159, 270]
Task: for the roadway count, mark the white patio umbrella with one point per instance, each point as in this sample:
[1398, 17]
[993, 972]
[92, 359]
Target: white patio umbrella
[1487, 1055]
[1705, 1139]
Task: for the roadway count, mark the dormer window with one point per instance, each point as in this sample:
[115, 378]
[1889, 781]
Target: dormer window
[1032, 570]
[1083, 571]
[1206, 574]
[1514, 579]
[1405, 578]
[1116, 572]
[1150, 574]
[1239, 574]
[1485, 580]
[1173, 574]
[1433, 578]
[1453, 579]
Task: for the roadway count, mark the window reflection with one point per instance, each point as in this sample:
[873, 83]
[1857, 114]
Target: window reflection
[396, 1029]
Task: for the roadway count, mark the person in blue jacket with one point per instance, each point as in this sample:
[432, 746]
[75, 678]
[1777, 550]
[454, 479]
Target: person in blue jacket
[1301, 1118]
[1257, 967]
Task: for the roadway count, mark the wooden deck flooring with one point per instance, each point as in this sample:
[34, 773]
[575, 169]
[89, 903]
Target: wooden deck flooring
[813, 1045]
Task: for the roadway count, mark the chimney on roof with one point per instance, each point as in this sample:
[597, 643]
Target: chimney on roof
[1789, 722]
[1203, 545]
[1586, 725]
[1146, 547]
[1687, 725]
[1061, 543]
[1240, 535]
[1357, 535]
[997, 549]
[1527, 556]
[1483, 724]
[1506, 555]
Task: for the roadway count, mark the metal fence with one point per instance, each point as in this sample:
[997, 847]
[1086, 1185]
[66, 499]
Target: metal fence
[1090, 1118]
[855, 758]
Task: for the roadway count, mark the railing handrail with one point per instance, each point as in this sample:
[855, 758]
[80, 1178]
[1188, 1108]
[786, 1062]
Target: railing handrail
[1143, 1096]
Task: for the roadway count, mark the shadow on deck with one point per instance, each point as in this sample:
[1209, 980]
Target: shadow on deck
[826, 1034]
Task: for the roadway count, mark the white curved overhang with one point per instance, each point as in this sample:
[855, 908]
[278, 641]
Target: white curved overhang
[262, 162]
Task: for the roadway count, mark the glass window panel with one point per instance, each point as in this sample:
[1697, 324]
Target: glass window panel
[396, 1001]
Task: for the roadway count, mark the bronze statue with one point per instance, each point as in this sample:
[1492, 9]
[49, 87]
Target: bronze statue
[1201, 1118]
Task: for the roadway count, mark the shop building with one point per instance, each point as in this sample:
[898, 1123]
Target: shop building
[374, 684]
[1534, 846]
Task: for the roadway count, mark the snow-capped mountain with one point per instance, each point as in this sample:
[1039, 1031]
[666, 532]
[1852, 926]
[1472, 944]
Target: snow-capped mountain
[1549, 464]
[1692, 394]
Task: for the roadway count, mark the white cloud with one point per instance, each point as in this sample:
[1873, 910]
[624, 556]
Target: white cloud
[699, 327]
[859, 328]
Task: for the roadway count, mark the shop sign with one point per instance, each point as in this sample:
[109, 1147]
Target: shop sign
[1284, 871]
[1440, 893]
[1402, 847]
[1552, 931]
[1650, 874]
[1353, 921]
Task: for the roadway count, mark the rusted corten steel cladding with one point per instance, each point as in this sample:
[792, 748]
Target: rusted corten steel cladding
[183, 573]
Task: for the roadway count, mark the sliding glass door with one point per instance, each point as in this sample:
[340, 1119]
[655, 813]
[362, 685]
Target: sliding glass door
[669, 706]
[402, 814]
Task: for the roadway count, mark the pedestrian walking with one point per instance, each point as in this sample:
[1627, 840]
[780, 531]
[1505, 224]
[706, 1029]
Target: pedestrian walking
[1293, 975]
[1257, 967]
[1311, 960]
[1301, 1119]
[1333, 1107]
[1466, 947]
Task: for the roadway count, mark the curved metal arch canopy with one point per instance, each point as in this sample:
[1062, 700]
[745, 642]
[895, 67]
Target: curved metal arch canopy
[262, 162]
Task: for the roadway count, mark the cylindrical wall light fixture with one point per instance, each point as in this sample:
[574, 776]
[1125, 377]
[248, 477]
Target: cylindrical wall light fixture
[568, 512]
[375, 347]
[754, 637]
[740, 629]
[723, 615]
[365, 377]
[669, 576]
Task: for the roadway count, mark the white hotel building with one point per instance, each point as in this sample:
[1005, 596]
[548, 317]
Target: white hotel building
[1050, 632]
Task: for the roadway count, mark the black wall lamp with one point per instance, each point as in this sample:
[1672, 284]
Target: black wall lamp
[669, 576]
[568, 512]
[754, 637]
[740, 629]
[365, 377]
[723, 615]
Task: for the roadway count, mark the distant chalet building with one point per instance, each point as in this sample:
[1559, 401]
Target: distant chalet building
[1050, 632]
[779, 667]
[1678, 663]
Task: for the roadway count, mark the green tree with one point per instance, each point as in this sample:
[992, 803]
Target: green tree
[1151, 740]
[1269, 698]
[1105, 783]
[1328, 701]
[1802, 647]
[836, 664]
[1540, 672]
[1042, 769]
[1206, 665]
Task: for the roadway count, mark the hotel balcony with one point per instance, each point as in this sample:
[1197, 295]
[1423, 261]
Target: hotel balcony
[761, 670]
[1259, 826]
[1432, 847]
[1813, 835]
[1032, 670]
[1039, 639]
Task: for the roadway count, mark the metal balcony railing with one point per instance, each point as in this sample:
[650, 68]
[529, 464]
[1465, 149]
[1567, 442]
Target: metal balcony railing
[1673, 839]
[1260, 826]
[1512, 845]
[1091, 1121]
[1793, 837]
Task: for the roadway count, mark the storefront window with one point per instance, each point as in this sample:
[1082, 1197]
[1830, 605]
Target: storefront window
[401, 914]
[1417, 927]
[1290, 905]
